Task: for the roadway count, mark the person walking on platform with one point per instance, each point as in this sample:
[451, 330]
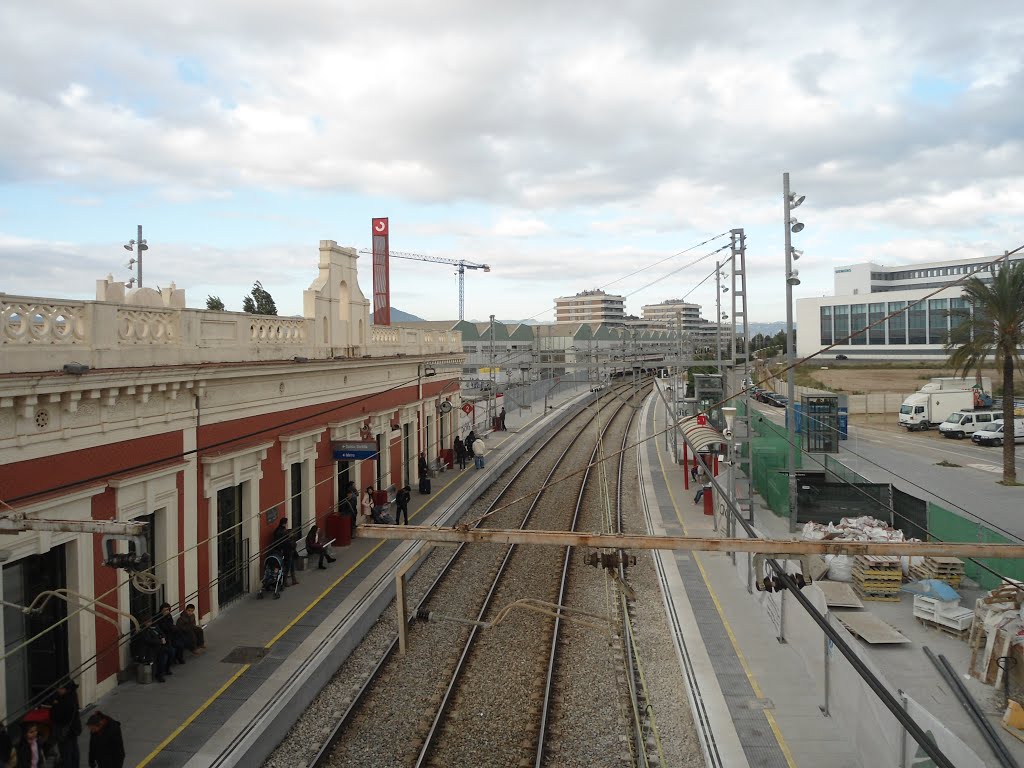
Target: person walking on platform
[402, 499]
[479, 451]
[424, 470]
[106, 745]
[460, 452]
[501, 420]
[67, 723]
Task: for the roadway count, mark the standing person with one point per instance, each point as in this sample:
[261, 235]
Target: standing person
[316, 547]
[470, 439]
[460, 452]
[106, 746]
[350, 503]
[366, 505]
[402, 499]
[501, 419]
[67, 723]
[284, 543]
[190, 630]
[34, 751]
[479, 451]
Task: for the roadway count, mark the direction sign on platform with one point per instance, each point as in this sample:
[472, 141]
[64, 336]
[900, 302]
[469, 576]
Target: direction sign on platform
[353, 449]
[467, 408]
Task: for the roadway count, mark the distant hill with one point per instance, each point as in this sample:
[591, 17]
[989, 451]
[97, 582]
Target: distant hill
[768, 329]
[398, 316]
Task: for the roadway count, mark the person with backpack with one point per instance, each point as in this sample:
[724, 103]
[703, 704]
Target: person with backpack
[479, 451]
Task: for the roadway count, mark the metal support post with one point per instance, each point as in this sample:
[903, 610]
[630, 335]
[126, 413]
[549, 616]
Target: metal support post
[790, 356]
[492, 398]
[827, 669]
[718, 317]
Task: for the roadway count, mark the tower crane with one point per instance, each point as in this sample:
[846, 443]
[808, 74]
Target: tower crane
[462, 264]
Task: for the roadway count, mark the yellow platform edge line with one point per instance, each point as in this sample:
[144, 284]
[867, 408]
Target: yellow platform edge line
[220, 691]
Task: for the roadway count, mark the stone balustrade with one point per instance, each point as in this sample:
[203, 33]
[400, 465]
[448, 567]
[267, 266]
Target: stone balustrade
[39, 334]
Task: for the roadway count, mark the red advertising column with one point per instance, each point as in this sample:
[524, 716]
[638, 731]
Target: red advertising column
[709, 501]
[381, 273]
[686, 466]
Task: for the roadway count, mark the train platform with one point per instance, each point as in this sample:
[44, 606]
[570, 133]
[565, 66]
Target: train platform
[266, 659]
[749, 693]
[758, 702]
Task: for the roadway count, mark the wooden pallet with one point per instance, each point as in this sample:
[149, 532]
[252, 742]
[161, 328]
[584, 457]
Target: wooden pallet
[947, 569]
[959, 634]
[876, 595]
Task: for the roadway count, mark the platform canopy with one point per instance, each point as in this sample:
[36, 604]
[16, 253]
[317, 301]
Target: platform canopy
[699, 436]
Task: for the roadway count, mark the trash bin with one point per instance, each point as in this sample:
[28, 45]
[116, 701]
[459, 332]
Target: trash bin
[496, 424]
[144, 674]
[339, 528]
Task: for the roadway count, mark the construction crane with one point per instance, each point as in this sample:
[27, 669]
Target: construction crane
[462, 264]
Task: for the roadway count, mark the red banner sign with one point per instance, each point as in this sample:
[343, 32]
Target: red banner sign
[381, 273]
[467, 408]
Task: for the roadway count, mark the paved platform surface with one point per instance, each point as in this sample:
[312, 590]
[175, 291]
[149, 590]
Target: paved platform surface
[167, 724]
[776, 675]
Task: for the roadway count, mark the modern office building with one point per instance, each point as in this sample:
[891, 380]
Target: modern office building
[594, 306]
[867, 293]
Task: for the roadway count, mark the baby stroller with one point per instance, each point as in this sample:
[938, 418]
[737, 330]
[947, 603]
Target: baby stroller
[273, 577]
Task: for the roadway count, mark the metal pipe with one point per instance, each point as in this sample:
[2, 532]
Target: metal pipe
[967, 701]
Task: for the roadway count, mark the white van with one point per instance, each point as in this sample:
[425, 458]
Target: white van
[994, 434]
[959, 424]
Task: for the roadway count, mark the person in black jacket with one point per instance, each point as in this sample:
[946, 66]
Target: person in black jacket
[284, 543]
[67, 723]
[149, 646]
[106, 745]
[402, 499]
[175, 641]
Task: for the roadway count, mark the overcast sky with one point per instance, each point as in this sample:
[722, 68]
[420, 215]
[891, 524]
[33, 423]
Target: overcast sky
[566, 145]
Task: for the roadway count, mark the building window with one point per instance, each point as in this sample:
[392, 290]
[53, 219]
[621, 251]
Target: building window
[842, 324]
[826, 324]
[938, 321]
[897, 323]
[917, 324]
[959, 310]
[876, 335]
[858, 322]
[296, 496]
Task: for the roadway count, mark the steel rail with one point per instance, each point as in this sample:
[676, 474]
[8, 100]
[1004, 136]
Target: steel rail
[562, 589]
[442, 709]
[321, 757]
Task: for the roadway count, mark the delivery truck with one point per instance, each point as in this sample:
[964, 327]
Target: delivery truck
[945, 383]
[923, 410]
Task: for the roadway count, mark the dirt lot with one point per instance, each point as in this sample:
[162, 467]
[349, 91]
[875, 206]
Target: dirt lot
[840, 378]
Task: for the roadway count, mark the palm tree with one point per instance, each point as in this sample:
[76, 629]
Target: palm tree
[993, 327]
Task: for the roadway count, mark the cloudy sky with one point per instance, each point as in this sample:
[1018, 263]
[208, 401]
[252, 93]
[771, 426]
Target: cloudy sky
[567, 145]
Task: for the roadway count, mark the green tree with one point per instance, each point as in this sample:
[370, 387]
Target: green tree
[259, 301]
[992, 326]
[214, 303]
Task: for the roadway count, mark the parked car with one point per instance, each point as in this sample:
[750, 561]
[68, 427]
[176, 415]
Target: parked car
[993, 435]
[779, 401]
[842, 357]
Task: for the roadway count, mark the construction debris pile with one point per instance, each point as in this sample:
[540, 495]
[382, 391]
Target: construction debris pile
[841, 567]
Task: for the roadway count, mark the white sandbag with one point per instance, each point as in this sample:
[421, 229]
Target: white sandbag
[841, 568]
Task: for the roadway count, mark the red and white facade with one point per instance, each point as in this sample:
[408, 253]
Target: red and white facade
[210, 426]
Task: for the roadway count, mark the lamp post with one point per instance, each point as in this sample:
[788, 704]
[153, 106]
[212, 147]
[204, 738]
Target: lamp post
[790, 224]
[138, 246]
[492, 397]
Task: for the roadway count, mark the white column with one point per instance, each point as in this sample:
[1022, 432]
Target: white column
[189, 520]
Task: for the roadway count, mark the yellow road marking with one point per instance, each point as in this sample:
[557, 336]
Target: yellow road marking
[725, 623]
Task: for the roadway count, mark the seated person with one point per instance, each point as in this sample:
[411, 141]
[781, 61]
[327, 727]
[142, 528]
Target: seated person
[316, 547]
[190, 631]
[149, 646]
[170, 631]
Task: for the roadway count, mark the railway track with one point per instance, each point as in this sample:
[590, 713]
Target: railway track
[464, 695]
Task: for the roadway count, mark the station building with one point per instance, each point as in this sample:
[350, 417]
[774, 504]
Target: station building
[210, 427]
[865, 293]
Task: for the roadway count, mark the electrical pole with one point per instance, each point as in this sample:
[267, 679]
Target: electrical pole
[790, 352]
[492, 398]
[718, 317]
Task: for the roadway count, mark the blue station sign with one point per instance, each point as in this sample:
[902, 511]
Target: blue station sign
[344, 450]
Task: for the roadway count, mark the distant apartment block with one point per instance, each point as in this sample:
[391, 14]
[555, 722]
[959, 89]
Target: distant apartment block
[594, 306]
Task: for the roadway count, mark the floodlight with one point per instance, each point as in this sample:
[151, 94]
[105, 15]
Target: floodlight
[128, 245]
[794, 225]
[794, 200]
[796, 253]
[793, 278]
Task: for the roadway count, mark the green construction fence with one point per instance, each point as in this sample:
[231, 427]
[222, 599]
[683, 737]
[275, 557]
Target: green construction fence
[947, 526]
